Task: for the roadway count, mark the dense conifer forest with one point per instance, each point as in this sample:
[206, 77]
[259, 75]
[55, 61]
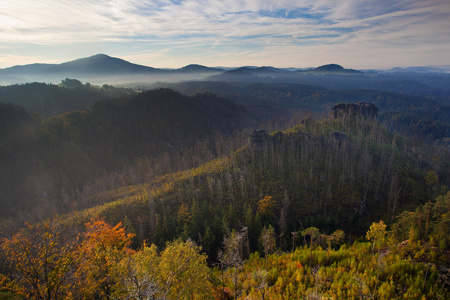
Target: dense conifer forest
[55, 160]
[51, 100]
[417, 114]
[163, 195]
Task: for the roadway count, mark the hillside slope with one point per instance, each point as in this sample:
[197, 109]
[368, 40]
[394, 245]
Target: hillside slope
[339, 173]
[424, 117]
[45, 161]
[50, 100]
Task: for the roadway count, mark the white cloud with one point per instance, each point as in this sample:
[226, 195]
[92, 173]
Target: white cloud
[254, 28]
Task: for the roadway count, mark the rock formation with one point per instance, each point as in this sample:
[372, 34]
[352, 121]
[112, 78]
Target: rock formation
[259, 139]
[338, 137]
[364, 109]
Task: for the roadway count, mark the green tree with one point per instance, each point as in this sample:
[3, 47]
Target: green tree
[335, 237]
[376, 234]
[313, 233]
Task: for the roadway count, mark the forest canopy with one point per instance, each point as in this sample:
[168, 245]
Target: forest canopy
[267, 191]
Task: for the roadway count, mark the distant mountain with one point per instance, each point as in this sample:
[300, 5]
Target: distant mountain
[239, 74]
[200, 68]
[33, 68]
[427, 69]
[271, 74]
[330, 67]
[259, 70]
[333, 69]
[254, 74]
[101, 64]
[100, 69]
[96, 64]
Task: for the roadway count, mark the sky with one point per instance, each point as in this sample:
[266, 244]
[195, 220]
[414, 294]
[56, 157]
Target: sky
[359, 34]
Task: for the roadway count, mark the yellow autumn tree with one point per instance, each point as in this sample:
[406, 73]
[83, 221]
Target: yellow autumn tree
[184, 214]
[376, 234]
[138, 275]
[184, 273]
[39, 259]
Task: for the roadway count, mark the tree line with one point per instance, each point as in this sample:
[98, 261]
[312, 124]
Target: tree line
[52, 261]
[302, 178]
[55, 161]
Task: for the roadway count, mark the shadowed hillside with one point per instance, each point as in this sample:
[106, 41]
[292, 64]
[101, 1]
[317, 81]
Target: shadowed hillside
[424, 117]
[51, 100]
[44, 161]
[338, 173]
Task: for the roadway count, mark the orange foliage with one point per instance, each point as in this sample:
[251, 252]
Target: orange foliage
[103, 247]
[265, 205]
[100, 234]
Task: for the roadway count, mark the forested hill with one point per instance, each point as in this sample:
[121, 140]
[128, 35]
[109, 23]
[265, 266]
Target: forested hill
[50, 100]
[339, 173]
[427, 118]
[45, 161]
[339, 209]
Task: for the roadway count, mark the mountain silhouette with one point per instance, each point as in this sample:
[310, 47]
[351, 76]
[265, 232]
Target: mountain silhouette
[333, 69]
[200, 68]
[330, 67]
[100, 68]
[102, 64]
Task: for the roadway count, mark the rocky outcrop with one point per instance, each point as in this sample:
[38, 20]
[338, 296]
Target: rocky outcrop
[278, 137]
[338, 138]
[364, 109]
[259, 139]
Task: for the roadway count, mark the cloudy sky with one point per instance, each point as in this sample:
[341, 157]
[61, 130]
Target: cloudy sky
[281, 33]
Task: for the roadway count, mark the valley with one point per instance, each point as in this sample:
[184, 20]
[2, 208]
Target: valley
[260, 183]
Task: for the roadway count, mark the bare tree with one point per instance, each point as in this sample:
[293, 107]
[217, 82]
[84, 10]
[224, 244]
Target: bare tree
[261, 283]
[268, 241]
[232, 256]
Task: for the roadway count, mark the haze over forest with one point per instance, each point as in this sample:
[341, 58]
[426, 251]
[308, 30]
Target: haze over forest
[224, 150]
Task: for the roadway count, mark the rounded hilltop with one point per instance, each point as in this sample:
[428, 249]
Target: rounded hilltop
[330, 68]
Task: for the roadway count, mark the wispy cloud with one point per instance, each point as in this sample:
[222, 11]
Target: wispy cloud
[259, 30]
